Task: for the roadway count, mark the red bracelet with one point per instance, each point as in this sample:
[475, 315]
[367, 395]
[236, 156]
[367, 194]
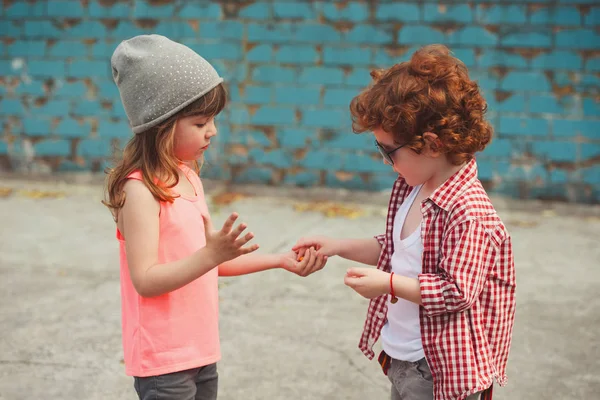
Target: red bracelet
[394, 299]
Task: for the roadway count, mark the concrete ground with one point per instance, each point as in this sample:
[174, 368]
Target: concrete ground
[283, 337]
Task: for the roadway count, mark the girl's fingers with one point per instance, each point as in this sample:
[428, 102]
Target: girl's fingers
[249, 249]
[238, 230]
[229, 223]
[243, 240]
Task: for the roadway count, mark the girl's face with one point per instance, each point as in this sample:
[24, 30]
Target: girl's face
[192, 136]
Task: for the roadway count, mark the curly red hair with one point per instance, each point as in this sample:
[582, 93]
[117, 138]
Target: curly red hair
[430, 93]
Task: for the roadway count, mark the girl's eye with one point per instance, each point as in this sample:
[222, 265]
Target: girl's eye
[200, 125]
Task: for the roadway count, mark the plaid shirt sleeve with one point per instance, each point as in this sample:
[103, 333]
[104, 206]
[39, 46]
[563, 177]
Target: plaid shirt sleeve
[380, 239]
[467, 254]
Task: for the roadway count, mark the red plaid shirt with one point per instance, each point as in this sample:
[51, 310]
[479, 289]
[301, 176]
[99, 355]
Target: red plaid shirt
[467, 286]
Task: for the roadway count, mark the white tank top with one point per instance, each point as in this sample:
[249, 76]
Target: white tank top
[401, 335]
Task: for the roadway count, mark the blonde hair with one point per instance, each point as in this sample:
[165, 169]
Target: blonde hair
[152, 153]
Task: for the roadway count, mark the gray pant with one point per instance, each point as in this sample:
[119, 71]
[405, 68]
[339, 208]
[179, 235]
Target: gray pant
[192, 384]
[413, 381]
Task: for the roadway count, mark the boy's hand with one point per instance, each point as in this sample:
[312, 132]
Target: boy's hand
[304, 263]
[368, 282]
[325, 246]
[224, 245]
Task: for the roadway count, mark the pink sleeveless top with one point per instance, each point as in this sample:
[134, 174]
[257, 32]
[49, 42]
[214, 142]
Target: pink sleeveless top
[178, 330]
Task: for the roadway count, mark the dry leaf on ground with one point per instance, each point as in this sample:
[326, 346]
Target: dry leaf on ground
[226, 198]
[330, 210]
[41, 194]
[5, 192]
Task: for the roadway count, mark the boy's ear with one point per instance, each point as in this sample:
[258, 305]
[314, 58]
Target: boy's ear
[432, 144]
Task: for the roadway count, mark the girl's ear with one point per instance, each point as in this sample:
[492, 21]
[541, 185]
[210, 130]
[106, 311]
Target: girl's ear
[433, 145]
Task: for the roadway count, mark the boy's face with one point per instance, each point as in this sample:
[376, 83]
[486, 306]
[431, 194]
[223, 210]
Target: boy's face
[415, 168]
[192, 136]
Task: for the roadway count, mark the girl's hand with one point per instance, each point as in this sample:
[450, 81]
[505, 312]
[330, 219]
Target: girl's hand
[368, 282]
[325, 246]
[224, 245]
[303, 263]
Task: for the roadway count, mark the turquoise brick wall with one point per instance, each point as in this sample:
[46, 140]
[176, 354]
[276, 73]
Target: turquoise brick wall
[292, 68]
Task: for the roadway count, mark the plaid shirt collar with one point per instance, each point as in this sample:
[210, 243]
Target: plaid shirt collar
[446, 195]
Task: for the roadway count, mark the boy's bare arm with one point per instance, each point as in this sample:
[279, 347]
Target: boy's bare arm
[364, 251]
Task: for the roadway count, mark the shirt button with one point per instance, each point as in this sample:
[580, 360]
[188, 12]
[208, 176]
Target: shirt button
[379, 314]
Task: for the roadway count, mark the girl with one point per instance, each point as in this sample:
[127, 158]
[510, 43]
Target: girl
[168, 246]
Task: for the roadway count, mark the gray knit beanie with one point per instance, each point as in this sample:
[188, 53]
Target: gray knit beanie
[157, 78]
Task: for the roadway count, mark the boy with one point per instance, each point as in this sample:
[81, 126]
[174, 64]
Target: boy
[443, 294]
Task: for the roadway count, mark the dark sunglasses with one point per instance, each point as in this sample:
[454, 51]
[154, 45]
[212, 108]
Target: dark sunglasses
[387, 155]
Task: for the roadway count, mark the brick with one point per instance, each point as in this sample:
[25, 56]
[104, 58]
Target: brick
[118, 10]
[222, 51]
[71, 128]
[530, 39]
[325, 118]
[65, 9]
[295, 138]
[297, 95]
[203, 10]
[323, 159]
[359, 77]
[43, 29]
[104, 49]
[107, 89]
[273, 74]
[259, 10]
[560, 176]
[267, 115]
[276, 33]
[562, 16]
[591, 175]
[88, 29]
[24, 9]
[260, 53]
[588, 150]
[12, 107]
[71, 166]
[387, 57]
[109, 129]
[500, 15]
[578, 39]
[369, 34]
[339, 97]
[549, 103]
[231, 71]
[94, 148]
[222, 30]
[142, 9]
[448, 13]
[591, 107]
[254, 175]
[50, 148]
[523, 126]
[68, 48]
[54, 108]
[592, 18]
[3, 147]
[302, 178]
[514, 103]
[258, 94]
[467, 56]
[346, 56]
[587, 128]
[498, 58]
[404, 12]
[588, 81]
[499, 149]
[315, 33]
[250, 138]
[486, 80]
[364, 163]
[70, 89]
[297, 54]
[352, 11]
[557, 60]
[11, 28]
[173, 29]
[239, 115]
[125, 29]
[27, 48]
[335, 180]
[33, 126]
[278, 158]
[31, 87]
[473, 36]
[346, 140]
[418, 34]
[296, 10]
[555, 151]
[321, 75]
[519, 80]
[85, 69]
